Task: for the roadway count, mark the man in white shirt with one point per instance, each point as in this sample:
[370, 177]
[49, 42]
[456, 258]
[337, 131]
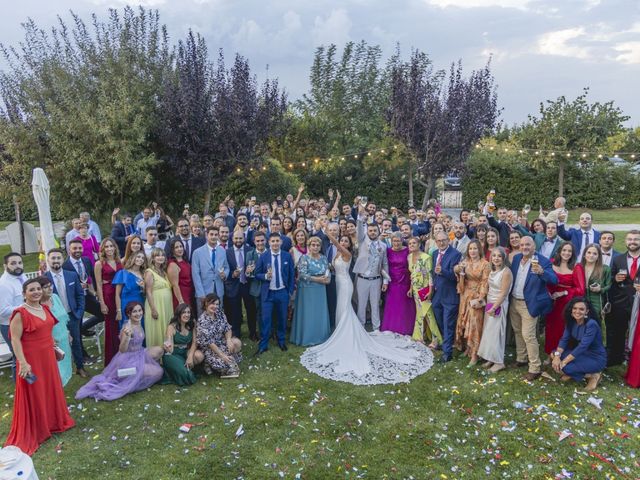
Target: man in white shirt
[551, 241]
[152, 241]
[460, 240]
[73, 233]
[148, 220]
[10, 295]
[607, 240]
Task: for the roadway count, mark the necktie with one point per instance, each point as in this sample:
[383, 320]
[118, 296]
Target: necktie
[586, 239]
[80, 270]
[276, 267]
[186, 248]
[634, 268]
[441, 254]
[213, 258]
[62, 290]
[455, 244]
[240, 261]
[330, 253]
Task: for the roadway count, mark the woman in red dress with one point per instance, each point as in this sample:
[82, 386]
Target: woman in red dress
[570, 284]
[179, 273]
[105, 269]
[39, 406]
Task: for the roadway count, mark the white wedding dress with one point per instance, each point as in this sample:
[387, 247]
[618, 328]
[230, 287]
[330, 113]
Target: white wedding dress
[355, 356]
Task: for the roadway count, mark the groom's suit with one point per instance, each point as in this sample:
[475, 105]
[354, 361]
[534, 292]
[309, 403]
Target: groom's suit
[372, 271]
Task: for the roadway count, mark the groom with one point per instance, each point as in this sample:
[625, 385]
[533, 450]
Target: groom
[372, 270]
[275, 270]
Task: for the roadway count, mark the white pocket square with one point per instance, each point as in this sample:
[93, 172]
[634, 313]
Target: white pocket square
[72, 283]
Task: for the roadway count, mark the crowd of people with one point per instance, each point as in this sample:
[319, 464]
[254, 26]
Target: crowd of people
[175, 296]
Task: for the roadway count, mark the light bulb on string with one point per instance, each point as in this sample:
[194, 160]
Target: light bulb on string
[264, 167]
[304, 164]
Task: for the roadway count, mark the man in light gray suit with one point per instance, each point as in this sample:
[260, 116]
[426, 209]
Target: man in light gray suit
[209, 268]
[460, 240]
[371, 268]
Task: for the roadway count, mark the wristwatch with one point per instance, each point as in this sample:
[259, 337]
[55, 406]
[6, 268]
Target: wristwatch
[556, 353]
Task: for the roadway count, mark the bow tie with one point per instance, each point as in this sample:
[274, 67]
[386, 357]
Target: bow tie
[551, 240]
[606, 254]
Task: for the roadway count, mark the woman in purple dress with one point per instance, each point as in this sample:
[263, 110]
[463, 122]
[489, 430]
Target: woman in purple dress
[399, 307]
[132, 369]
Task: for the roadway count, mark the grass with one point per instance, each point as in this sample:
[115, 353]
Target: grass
[4, 223]
[30, 260]
[614, 215]
[451, 422]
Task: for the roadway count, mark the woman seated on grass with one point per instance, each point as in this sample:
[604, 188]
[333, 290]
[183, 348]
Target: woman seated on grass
[180, 347]
[588, 357]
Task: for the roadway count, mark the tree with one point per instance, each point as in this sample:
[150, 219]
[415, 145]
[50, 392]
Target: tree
[574, 127]
[81, 102]
[439, 121]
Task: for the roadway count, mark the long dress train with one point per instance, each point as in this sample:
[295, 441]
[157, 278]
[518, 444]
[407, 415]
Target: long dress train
[352, 355]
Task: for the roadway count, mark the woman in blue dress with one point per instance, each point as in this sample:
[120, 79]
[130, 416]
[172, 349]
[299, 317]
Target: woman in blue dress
[60, 330]
[580, 353]
[129, 284]
[311, 319]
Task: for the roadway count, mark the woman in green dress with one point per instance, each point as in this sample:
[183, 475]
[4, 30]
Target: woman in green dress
[180, 349]
[597, 280]
[421, 286]
[158, 307]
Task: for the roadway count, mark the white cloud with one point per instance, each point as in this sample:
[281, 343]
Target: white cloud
[558, 43]
[123, 3]
[630, 52]
[519, 4]
[333, 29]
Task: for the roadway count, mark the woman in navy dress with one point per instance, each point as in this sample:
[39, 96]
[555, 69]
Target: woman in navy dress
[311, 320]
[589, 357]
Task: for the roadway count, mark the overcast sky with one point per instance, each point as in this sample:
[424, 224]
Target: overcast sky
[541, 48]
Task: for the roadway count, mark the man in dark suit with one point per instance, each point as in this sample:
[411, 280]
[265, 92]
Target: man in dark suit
[445, 294]
[67, 285]
[607, 239]
[621, 296]
[275, 270]
[329, 250]
[236, 288]
[276, 227]
[580, 237]
[189, 241]
[502, 225]
[255, 285]
[529, 300]
[227, 218]
[75, 262]
[121, 232]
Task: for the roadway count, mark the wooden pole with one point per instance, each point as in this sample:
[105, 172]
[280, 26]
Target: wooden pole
[16, 205]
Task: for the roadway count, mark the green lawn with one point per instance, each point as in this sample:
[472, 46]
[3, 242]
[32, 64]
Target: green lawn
[30, 261]
[451, 422]
[4, 223]
[614, 215]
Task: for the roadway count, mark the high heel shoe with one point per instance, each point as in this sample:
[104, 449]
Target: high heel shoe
[593, 381]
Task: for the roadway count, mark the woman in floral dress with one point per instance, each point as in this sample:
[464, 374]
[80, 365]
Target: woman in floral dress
[421, 286]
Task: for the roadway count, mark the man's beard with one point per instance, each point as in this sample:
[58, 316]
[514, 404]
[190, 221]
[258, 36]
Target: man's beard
[16, 272]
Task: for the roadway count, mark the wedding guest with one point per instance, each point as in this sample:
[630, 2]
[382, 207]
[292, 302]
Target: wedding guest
[493, 241]
[213, 335]
[181, 354]
[90, 246]
[66, 284]
[311, 321]
[330, 250]
[494, 330]
[514, 245]
[72, 233]
[60, 331]
[460, 240]
[420, 266]
[300, 238]
[530, 300]
[179, 273]
[39, 405]
[570, 284]
[129, 283]
[121, 232]
[580, 353]
[579, 237]
[551, 242]
[149, 218]
[607, 239]
[480, 234]
[624, 270]
[106, 269]
[276, 272]
[473, 285]
[152, 241]
[431, 246]
[287, 227]
[134, 245]
[190, 242]
[159, 303]
[632, 376]
[10, 296]
[352, 233]
[399, 309]
[209, 267]
[223, 237]
[501, 225]
[597, 277]
[236, 286]
[538, 226]
[301, 224]
[142, 363]
[276, 227]
[255, 285]
[196, 229]
[446, 299]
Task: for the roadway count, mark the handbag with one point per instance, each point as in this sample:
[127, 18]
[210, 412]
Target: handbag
[423, 293]
[59, 353]
[490, 306]
[606, 308]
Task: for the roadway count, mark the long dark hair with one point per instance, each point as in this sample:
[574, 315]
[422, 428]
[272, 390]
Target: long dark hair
[175, 240]
[568, 319]
[557, 259]
[175, 320]
[350, 242]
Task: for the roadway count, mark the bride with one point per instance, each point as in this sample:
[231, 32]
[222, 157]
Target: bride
[352, 354]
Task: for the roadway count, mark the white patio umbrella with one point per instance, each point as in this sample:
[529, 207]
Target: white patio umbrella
[40, 187]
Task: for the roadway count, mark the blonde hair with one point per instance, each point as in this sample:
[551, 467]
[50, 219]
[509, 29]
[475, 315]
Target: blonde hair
[128, 262]
[103, 255]
[152, 264]
[314, 239]
[306, 236]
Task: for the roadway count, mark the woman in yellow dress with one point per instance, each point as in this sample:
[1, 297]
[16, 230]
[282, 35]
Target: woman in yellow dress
[158, 307]
[421, 290]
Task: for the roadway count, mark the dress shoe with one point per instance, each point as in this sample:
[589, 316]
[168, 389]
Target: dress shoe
[518, 364]
[531, 376]
[254, 338]
[444, 359]
[89, 360]
[260, 351]
[82, 372]
[283, 347]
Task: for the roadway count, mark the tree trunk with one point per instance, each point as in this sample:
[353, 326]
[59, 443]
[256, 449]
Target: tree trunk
[410, 181]
[561, 179]
[428, 192]
[16, 205]
[207, 200]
